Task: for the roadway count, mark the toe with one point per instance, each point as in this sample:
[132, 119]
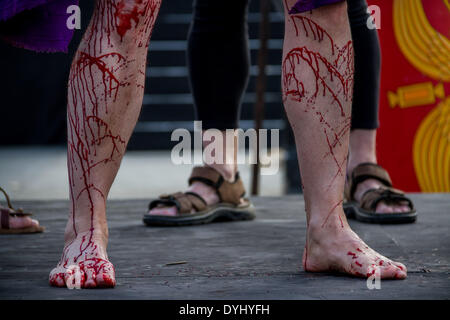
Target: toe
[90, 276]
[401, 266]
[400, 275]
[22, 222]
[106, 277]
[383, 208]
[34, 222]
[165, 211]
[74, 277]
[392, 272]
[405, 208]
[56, 278]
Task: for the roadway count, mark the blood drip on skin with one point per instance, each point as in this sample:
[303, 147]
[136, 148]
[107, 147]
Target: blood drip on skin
[338, 172]
[331, 211]
[329, 131]
[317, 31]
[295, 89]
[306, 257]
[338, 134]
[371, 270]
[371, 273]
[118, 18]
[330, 146]
[338, 70]
[93, 85]
[345, 60]
[125, 15]
[88, 131]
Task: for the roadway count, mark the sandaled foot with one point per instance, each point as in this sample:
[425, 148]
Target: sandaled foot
[371, 198]
[339, 249]
[208, 193]
[16, 221]
[84, 264]
[209, 198]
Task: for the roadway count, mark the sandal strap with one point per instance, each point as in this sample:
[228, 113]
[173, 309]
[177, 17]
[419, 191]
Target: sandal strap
[366, 171]
[4, 219]
[16, 212]
[229, 192]
[8, 201]
[184, 201]
[372, 197]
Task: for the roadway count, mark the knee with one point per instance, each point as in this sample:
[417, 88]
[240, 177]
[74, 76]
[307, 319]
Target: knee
[134, 4]
[134, 9]
[133, 15]
[336, 14]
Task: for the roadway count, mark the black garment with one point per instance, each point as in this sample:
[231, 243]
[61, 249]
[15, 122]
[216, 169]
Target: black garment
[366, 86]
[218, 61]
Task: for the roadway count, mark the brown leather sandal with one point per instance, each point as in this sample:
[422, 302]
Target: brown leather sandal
[192, 208]
[7, 213]
[365, 210]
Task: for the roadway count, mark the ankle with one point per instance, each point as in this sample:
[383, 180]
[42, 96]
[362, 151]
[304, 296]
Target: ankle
[362, 148]
[227, 171]
[81, 228]
[355, 159]
[100, 238]
[322, 227]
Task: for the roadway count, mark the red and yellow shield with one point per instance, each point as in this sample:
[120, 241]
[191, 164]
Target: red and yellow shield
[414, 135]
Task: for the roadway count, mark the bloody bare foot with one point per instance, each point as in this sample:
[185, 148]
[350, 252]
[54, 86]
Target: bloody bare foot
[84, 263]
[335, 247]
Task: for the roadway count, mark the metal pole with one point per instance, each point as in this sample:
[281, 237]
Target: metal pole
[261, 82]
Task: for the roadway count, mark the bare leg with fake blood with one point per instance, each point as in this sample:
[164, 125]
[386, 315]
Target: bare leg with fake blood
[317, 92]
[106, 87]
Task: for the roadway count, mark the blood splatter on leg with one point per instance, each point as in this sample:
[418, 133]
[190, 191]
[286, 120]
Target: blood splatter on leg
[106, 85]
[317, 85]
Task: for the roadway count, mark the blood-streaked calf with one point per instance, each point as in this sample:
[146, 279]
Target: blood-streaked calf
[106, 86]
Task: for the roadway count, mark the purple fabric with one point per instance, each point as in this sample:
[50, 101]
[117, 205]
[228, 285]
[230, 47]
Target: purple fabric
[306, 5]
[38, 25]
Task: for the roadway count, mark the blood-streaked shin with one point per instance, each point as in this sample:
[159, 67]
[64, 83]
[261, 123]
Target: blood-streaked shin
[330, 77]
[99, 73]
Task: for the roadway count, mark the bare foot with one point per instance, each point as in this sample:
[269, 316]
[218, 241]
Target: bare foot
[335, 247]
[84, 263]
